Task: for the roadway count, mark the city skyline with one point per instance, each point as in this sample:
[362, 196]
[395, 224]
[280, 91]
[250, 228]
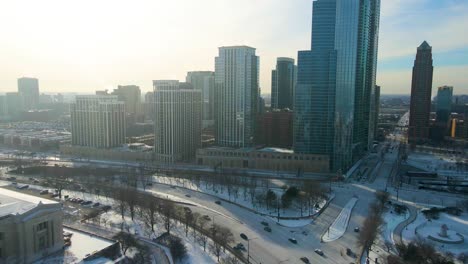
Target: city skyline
[78, 50]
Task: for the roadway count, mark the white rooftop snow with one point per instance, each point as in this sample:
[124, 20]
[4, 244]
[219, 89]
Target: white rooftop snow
[12, 202]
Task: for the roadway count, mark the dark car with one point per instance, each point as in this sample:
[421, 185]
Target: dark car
[106, 208]
[318, 251]
[356, 229]
[264, 223]
[244, 236]
[305, 260]
[292, 240]
[96, 204]
[44, 192]
[218, 202]
[239, 246]
[267, 228]
[188, 195]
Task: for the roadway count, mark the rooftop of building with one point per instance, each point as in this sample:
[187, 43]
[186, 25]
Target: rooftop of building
[424, 46]
[12, 203]
[252, 149]
[285, 59]
[236, 47]
[277, 150]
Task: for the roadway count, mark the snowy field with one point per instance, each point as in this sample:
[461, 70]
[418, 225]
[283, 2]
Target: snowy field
[243, 198]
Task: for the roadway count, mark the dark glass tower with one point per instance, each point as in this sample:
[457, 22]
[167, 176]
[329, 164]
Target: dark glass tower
[421, 90]
[335, 90]
[282, 84]
[444, 104]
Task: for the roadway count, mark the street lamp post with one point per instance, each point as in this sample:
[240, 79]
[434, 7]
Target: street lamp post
[248, 248]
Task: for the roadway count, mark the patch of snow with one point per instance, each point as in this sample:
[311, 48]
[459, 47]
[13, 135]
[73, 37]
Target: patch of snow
[339, 226]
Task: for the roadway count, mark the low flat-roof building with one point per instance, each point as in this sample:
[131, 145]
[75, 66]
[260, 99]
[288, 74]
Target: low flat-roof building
[30, 227]
[274, 159]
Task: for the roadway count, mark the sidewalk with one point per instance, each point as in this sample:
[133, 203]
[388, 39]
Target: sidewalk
[397, 233]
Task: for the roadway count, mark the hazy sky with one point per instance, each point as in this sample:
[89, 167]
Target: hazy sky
[90, 45]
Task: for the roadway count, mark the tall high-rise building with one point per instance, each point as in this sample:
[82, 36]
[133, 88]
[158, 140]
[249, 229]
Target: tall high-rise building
[444, 104]
[421, 91]
[98, 121]
[335, 91]
[3, 107]
[28, 88]
[283, 80]
[177, 126]
[236, 96]
[377, 109]
[14, 104]
[204, 82]
[131, 96]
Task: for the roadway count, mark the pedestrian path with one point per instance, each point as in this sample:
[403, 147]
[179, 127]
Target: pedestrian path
[339, 226]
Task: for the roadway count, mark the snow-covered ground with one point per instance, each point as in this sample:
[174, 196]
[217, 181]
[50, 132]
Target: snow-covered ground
[392, 220]
[241, 199]
[339, 226]
[424, 228]
[443, 165]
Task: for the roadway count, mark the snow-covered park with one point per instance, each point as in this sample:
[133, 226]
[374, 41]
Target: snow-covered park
[244, 199]
[423, 228]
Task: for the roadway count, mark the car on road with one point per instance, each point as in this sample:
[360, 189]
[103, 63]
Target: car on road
[318, 251]
[264, 223]
[239, 246]
[356, 229]
[36, 181]
[44, 192]
[267, 228]
[207, 217]
[173, 187]
[22, 187]
[96, 204]
[188, 195]
[292, 240]
[244, 236]
[106, 208]
[305, 260]
[218, 202]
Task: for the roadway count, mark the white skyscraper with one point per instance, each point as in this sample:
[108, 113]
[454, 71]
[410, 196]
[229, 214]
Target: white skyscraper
[98, 121]
[236, 95]
[177, 125]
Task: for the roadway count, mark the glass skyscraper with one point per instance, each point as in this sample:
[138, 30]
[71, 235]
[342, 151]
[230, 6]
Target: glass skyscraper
[335, 90]
[236, 96]
[283, 80]
[421, 91]
[444, 104]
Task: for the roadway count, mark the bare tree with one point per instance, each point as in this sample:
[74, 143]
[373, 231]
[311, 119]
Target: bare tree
[150, 209]
[382, 197]
[131, 200]
[225, 237]
[120, 198]
[167, 211]
[126, 241]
